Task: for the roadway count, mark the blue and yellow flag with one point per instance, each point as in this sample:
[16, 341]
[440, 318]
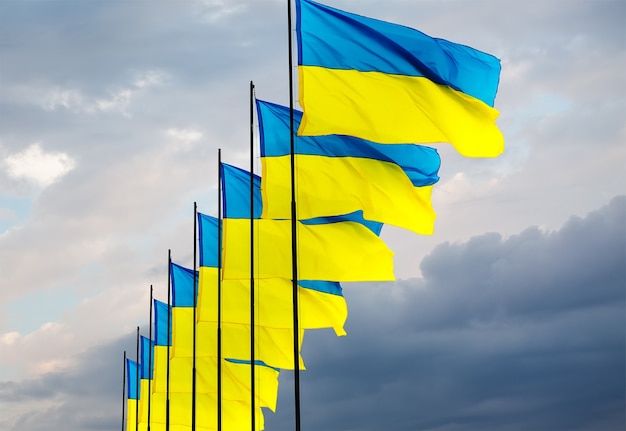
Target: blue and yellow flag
[274, 343]
[132, 394]
[392, 84]
[321, 303]
[146, 373]
[337, 174]
[235, 344]
[336, 248]
[235, 384]
[162, 343]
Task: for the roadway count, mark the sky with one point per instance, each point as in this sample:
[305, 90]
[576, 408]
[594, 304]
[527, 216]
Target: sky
[511, 316]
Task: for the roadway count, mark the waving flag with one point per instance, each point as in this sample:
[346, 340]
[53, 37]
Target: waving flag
[235, 340]
[275, 345]
[392, 84]
[146, 372]
[132, 394]
[321, 303]
[235, 373]
[338, 248]
[338, 174]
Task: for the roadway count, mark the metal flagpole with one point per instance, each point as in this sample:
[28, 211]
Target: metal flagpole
[124, 394]
[252, 343]
[219, 289]
[150, 358]
[169, 338]
[195, 305]
[294, 248]
[137, 386]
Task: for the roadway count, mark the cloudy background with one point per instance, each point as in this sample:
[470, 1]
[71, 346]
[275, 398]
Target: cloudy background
[510, 317]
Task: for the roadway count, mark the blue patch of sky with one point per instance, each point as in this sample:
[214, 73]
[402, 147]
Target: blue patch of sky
[27, 313]
[542, 105]
[13, 211]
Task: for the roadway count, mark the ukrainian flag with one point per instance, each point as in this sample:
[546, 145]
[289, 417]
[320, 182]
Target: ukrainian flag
[274, 343]
[338, 174]
[235, 344]
[321, 303]
[146, 371]
[392, 84]
[132, 394]
[339, 248]
[235, 374]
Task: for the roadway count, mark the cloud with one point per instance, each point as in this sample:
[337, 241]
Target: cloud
[34, 165]
[217, 10]
[117, 100]
[84, 397]
[500, 334]
[63, 98]
[184, 138]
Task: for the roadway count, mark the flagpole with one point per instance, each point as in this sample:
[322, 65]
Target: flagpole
[195, 305]
[294, 248]
[169, 332]
[124, 393]
[219, 289]
[252, 344]
[150, 345]
[137, 386]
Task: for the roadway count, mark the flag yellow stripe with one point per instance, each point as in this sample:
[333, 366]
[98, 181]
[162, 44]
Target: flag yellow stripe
[392, 109]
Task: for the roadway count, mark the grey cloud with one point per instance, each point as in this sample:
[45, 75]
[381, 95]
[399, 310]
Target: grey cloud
[84, 397]
[500, 334]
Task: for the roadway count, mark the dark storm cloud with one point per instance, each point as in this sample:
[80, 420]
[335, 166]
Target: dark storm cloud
[524, 333]
[86, 396]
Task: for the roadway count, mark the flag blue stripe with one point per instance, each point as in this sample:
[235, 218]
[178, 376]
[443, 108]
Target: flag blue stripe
[147, 359]
[420, 163]
[331, 38]
[207, 231]
[132, 390]
[160, 324]
[182, 286]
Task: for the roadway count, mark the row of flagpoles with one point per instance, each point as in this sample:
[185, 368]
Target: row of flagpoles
[268, 270]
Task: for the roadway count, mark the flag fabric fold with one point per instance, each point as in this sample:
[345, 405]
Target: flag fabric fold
[337, 174]
[392, 84]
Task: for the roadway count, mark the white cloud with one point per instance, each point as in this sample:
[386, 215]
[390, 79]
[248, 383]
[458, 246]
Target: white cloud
[63, 98]
[149, 79]
[216, 10]
[9, 338]
[117, 100]
[34, 165]
[184, 138]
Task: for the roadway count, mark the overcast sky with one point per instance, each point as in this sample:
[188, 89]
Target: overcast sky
[510, 317]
